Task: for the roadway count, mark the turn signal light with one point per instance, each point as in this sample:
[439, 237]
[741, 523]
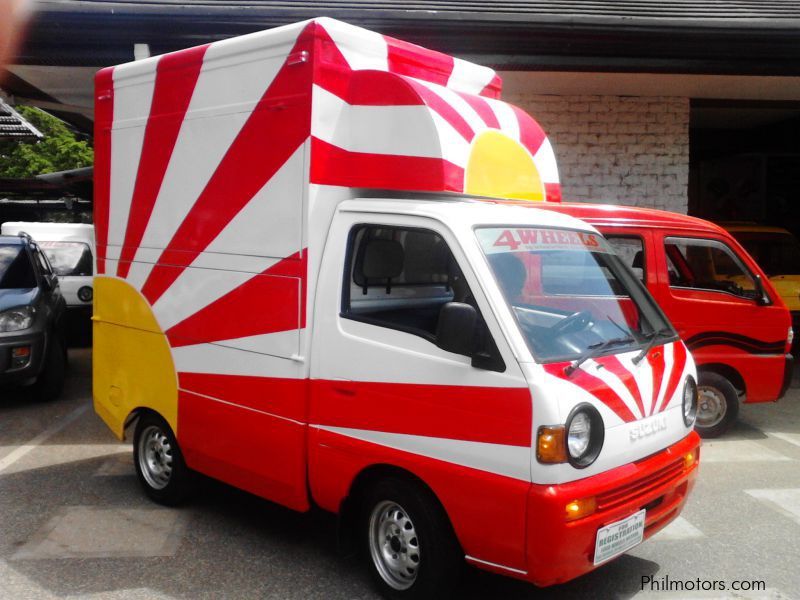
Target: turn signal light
[689, 459]
[20, 356]
[577, 509]
[550, 446]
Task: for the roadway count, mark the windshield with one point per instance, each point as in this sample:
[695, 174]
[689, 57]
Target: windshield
[776, 253]
[570, 293]
[16, 270]
[68, 258]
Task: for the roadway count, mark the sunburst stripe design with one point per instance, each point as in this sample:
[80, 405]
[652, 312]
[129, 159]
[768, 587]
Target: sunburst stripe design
[170, 102]
[596, 387]
[482, 108]
[104, 115]
[615, 366]
[679, 354]
[248, 161]
[283, 284]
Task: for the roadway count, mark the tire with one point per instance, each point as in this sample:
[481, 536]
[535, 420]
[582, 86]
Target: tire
[717, 406]
[159, 463]
[408, 542]
[50, 382]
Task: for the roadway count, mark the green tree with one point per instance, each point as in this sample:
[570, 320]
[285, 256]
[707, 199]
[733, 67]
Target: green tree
[59, 150]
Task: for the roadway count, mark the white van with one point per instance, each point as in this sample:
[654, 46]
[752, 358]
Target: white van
[70, 249]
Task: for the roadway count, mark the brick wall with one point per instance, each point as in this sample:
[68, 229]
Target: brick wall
[617, 149]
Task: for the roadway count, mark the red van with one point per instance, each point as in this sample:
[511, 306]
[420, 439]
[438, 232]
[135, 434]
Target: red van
[719, 300]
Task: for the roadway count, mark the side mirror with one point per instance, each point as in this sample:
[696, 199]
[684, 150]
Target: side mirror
[761, 296]
[455, 331]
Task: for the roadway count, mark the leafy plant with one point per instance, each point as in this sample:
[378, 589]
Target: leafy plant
[59, 150]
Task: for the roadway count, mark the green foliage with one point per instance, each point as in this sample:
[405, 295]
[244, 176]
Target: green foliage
[59, 150]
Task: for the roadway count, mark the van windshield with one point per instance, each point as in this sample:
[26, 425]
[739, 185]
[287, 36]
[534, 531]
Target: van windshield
[68, 258]
[570, 292]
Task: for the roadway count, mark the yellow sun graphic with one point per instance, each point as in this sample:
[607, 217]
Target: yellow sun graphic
[500, 167]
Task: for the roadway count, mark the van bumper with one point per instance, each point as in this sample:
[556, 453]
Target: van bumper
[788, 370]
[560, 550]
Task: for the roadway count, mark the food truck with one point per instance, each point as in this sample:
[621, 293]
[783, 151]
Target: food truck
[303, 291]
[723, 305]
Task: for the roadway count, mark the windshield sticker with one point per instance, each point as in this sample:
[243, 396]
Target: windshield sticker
[514, 240]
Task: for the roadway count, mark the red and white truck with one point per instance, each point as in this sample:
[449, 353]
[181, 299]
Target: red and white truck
[300, 292]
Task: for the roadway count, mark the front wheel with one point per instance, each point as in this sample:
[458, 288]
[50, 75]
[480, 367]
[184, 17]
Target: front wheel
[410, 546]
[160, 467]
[717, 405]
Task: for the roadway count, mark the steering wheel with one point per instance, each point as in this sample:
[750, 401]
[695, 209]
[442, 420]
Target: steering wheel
[575, 322]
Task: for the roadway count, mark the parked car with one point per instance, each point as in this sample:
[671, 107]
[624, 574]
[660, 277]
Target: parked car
[32, 307]
[777, 252]
[722, 304]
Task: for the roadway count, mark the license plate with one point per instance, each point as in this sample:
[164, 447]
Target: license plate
[612, 540]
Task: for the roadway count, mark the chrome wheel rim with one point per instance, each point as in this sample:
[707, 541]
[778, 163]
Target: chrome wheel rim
[155, 457]
[394, 545]
[711, 407]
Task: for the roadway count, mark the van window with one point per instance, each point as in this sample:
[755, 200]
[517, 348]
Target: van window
[631, 250]
[400, 278]
[707, 265]
[69, 258]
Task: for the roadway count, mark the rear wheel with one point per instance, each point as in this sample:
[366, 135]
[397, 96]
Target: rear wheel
[160, 467]
[410, 546]
[717, 405]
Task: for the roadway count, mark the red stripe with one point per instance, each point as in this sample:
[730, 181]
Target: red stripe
[656, 360]
[379, 88]
[331, 165]
[176, 77]
[480, 106]
[596, 387]
[552, 192]
[531, 135]
[278, 396]
[273, 301]
[442, 411]
[272, 133]
[103, 119]
[678, 364]
[411, 60]
[436, 103]
[615, 366]
[493, 88]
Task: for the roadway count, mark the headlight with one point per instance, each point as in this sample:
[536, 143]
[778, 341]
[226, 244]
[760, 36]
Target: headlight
[85, 294]
[585, 435]
[16, 319]
[689, 401]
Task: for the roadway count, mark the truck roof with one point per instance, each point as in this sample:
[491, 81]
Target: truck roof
[620, 216]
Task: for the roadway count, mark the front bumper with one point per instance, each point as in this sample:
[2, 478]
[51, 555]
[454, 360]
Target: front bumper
[24, 374]
[559, 550]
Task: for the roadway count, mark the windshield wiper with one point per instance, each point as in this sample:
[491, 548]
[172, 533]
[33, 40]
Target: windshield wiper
[593, 350]
[652, 338]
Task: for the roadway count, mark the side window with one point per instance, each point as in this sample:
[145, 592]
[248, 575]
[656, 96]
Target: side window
[400, 278]
[709, 265]
[631, 251]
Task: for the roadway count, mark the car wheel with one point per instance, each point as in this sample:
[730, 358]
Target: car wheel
[409, 544]
[160, 467]
[50, 382]
[717, 405]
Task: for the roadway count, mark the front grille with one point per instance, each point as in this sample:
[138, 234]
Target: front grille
[641, 487]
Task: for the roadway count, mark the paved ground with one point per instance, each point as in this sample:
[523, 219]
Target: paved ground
[73, 523]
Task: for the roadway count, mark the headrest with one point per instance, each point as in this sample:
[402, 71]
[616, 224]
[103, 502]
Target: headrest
[383, 259]
[638, 260]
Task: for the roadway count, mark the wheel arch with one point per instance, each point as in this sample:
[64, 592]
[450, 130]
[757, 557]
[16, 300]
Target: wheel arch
[726, 371]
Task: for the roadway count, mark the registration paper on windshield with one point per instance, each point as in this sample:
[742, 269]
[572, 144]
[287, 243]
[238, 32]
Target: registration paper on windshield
[507, 239]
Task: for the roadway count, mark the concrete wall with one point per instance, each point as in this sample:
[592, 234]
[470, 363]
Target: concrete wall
[617, 149]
